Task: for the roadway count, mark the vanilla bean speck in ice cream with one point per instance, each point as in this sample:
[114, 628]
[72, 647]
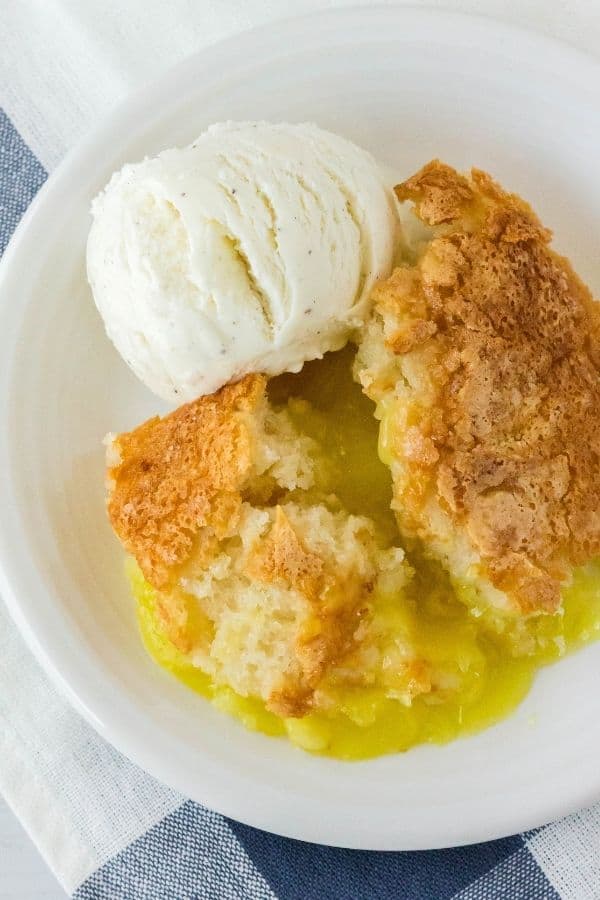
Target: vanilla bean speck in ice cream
[252, 250]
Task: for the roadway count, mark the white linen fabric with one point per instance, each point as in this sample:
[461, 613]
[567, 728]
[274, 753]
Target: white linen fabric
[66, 62]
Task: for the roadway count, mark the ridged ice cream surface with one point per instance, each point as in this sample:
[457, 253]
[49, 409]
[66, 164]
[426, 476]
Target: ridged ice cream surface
[254, 249]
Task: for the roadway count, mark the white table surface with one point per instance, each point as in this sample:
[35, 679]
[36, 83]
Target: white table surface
[23, 873]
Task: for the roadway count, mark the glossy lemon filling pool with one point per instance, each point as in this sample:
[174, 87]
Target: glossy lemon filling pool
[485, 671]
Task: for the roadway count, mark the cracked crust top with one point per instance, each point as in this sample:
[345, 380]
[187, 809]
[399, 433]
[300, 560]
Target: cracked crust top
[505, 436]
[171, 477]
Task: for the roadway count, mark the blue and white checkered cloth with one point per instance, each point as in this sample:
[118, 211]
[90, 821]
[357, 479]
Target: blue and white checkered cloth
[110, 832]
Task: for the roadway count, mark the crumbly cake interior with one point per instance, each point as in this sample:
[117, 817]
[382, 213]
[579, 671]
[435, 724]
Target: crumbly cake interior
[267, 563]
[264, 578]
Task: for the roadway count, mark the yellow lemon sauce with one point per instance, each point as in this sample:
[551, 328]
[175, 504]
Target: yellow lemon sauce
[487, 665]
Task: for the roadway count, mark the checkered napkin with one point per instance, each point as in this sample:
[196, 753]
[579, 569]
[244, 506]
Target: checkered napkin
[106, 828]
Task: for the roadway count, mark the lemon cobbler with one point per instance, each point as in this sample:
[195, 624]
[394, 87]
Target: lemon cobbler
[381, 549]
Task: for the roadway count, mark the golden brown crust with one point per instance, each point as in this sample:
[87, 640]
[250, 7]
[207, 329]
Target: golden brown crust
[181, 474]
[336, 608]
[325, 644]
[281, 556]
[510, 443]
[439, 193]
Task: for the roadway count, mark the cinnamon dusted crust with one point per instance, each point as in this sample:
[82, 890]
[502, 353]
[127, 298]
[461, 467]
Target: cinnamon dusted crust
[490, 346]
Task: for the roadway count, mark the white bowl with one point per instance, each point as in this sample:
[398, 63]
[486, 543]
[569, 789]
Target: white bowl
[409, 85]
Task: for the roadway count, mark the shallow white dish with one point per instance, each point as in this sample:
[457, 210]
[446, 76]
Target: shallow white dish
[408, 85]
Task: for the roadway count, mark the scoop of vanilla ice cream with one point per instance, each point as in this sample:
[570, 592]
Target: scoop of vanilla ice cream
[252, 250]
